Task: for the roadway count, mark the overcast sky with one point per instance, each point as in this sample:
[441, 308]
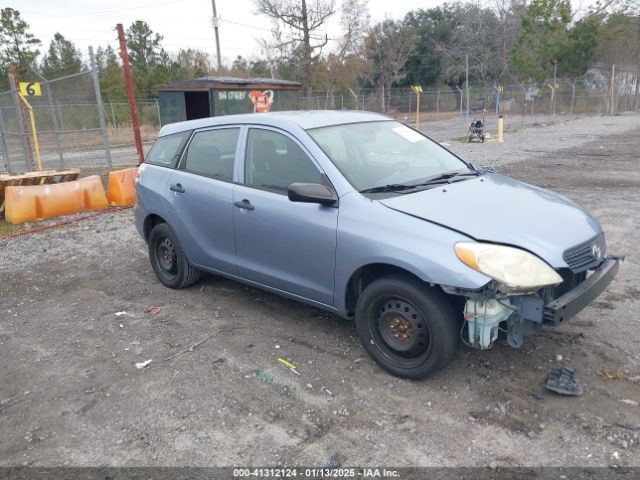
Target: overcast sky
[183, 23]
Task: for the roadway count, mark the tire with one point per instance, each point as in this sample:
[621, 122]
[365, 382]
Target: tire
[409, 329]
[168, 259]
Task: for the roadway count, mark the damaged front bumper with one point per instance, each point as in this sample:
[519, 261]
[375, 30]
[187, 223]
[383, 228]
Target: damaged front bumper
[487, 308]
[571, 303]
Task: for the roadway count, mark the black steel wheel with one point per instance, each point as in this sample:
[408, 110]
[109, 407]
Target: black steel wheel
[168, 259]
[166, 255]
[408, 328]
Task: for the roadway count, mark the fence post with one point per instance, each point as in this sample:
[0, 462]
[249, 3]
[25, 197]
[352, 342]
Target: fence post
[497, 89]
[636, 97]
[103, 126]
[113, 115]
[438, 103]
[524, 102]
[53, 116]
[3, 140]
[60, 116]
[573, 96]
[26, 145]
[613, 93]
[158, 109]
[466, 81]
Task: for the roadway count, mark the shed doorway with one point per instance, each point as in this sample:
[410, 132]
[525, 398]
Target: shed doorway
[197, 105]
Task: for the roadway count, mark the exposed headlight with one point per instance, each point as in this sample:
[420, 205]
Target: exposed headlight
[515, 270]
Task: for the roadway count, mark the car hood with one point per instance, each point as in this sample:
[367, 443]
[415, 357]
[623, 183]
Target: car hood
[498, 209]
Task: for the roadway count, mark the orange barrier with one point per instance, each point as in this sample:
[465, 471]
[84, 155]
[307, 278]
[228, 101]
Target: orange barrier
[122, 187]
[37, 202]
[35, 178]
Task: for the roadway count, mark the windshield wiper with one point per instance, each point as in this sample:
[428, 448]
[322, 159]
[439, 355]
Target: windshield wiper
[393, 187]
[401, 187]
[444, 178]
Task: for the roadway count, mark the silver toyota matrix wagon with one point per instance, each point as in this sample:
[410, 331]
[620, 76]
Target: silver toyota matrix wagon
[361, 215]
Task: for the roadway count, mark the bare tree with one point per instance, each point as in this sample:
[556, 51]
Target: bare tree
[476, 35]
[355, 23]
[193, 62]
[387, 49]
[509, 14]
[298, 26]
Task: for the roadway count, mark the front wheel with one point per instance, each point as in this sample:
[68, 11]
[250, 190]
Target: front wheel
[409, 329]
[168, 259]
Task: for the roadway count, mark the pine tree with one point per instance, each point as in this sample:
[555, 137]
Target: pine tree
[63, 58]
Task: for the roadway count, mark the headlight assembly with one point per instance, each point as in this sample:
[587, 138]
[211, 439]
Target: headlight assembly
[515, 270]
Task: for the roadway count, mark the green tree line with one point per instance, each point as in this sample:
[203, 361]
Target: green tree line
[506, 42]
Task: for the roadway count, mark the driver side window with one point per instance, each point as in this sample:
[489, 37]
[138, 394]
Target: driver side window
[274, 161]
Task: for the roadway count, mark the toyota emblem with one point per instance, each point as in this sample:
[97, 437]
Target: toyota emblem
[596, 252]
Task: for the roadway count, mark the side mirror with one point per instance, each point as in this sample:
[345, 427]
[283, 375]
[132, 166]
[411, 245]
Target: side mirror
[312, 193]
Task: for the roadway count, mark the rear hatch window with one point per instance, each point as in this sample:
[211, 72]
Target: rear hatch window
[167, 149]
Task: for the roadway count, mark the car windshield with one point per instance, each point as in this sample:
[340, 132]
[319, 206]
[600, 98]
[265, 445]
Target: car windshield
[386, 154]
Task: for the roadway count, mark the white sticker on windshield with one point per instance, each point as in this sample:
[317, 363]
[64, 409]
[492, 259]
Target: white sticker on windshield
[408, 134]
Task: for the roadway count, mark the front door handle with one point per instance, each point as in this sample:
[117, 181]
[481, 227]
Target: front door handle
[245, 205]
[176, 188]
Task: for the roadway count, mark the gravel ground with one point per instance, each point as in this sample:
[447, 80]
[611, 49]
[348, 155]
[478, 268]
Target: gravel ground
[541, 138]
[73, 325]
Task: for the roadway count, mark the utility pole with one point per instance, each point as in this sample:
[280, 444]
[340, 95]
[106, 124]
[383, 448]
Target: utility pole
[131, 95]
[216, 22]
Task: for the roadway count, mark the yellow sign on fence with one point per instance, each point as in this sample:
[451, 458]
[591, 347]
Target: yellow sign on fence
[30, 89]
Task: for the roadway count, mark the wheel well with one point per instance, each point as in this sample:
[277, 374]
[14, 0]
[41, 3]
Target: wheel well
[364, 276]
[367, 274]
[150, 222]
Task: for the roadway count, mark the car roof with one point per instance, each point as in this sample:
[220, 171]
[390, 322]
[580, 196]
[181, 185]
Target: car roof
[303, 119]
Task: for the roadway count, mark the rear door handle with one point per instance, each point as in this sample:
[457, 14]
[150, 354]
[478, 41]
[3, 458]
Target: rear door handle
[245, 205]
[176, 188]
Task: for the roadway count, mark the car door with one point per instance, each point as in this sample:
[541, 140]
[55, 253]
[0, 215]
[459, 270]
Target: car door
[201, 198]
[284, 245]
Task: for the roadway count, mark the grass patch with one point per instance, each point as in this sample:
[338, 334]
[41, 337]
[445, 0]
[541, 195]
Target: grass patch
[8, 228]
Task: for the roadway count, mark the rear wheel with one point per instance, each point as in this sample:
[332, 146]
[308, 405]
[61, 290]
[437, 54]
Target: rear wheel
[168, 259]
[409, 329]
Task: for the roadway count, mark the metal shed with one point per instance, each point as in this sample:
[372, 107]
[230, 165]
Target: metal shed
[215, 96]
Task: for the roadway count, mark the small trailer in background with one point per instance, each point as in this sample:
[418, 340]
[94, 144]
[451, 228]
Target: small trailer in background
[214, 96]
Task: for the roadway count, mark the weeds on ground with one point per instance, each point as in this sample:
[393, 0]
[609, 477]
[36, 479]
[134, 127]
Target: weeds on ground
[7, 228]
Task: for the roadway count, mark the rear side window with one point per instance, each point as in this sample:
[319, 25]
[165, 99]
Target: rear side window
[166, 150]
[212, 153]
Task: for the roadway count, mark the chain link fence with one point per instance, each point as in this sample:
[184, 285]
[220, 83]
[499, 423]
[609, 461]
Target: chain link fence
[591, 95]
[74, 128]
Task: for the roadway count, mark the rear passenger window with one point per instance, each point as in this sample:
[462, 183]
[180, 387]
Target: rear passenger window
[212, 152]
[166, 149]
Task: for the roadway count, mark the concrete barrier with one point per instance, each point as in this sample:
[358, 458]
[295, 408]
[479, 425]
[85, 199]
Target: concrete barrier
[121, 189]
[37, 202]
